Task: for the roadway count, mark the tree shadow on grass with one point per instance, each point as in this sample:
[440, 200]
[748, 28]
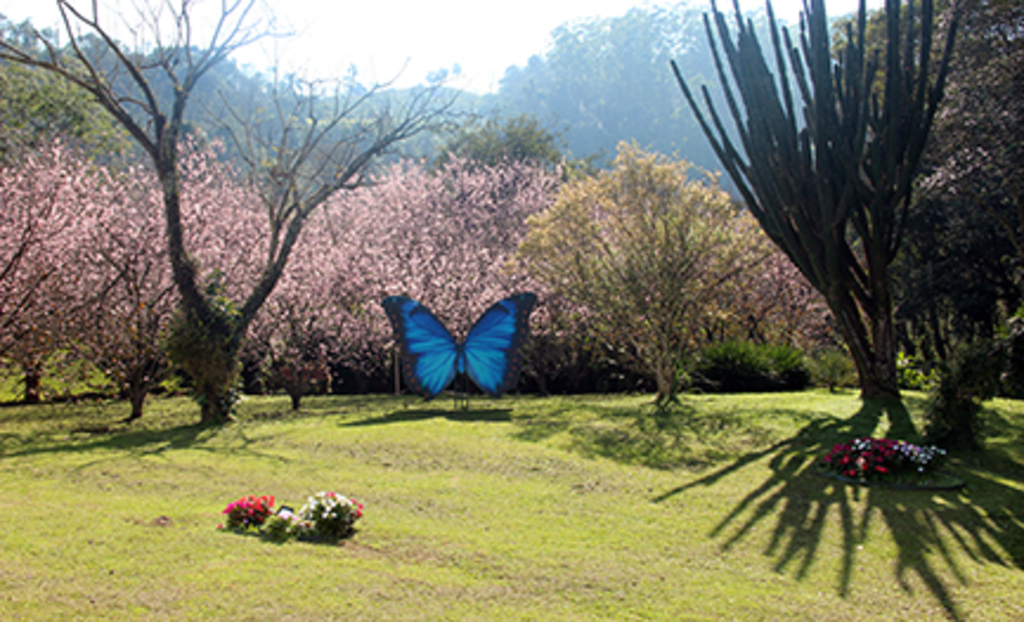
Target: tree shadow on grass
[538, 426]
[681, 436]
[982, 521]
[422, 414]
[138, 442]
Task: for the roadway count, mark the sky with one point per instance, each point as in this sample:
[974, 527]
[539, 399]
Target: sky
[406, 40]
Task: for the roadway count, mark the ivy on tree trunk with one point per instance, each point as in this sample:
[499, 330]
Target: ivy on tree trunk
[324, 145]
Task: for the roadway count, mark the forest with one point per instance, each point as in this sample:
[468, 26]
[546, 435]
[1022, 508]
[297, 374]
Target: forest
[586, 178]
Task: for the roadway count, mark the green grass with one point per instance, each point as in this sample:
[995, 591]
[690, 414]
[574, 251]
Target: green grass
[64, 378]
[523, 508]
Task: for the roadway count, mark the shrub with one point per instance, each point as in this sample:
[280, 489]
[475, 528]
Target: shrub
[279, 527]
[832, 368]
[789, 366]
[971, 376]
[248, 512]
[329, 516]
[742, 366]
[910, 373]
[205, 350]
[1012, 342]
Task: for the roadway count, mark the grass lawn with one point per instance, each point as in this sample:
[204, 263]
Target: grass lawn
[518, 509]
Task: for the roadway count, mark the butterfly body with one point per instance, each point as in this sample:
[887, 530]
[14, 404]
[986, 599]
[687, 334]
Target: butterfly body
[431, 357]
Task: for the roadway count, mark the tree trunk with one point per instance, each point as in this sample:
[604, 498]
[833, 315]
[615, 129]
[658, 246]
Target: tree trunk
[137, 397]
[542, 385]
[215, 406]
[398, 372]
[137, 390]
[664, 374]
[33, 380]
[215, 372]
[875, 357]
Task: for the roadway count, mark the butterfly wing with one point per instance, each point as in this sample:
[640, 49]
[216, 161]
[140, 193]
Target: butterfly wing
[429, 352]
[492, 354]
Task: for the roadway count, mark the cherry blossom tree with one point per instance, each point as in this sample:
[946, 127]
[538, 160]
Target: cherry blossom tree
[445, 238]
[562, 354]
[133, 297]
[297, 332]
[771, 302]
[45, 204]
[312, 148]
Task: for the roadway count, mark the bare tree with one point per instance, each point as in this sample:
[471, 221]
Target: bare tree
[320, 146]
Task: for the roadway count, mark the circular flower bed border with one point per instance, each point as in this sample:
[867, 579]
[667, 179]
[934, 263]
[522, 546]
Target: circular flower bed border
[955, 485]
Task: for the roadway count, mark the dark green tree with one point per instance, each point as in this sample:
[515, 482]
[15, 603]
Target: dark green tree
[495, 140]
[954, 279]
[37, 107]
[831, 183]
[976, 157]
[604, 81]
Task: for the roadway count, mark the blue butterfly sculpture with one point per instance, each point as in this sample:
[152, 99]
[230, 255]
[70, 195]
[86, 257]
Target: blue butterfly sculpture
[490, 355]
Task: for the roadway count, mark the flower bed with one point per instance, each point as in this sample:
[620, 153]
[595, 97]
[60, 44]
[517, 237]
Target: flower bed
[888, 462]
[326, 517]
[248, 512]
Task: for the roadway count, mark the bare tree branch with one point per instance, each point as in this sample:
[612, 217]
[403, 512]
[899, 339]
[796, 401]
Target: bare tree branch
[316, 144]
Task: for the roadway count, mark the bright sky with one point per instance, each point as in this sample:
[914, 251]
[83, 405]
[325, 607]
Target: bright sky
[413, 38]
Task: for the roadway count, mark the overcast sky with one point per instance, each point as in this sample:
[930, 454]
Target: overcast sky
[384, 38]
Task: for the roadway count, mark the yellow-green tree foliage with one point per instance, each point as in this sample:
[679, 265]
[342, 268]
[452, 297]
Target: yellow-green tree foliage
[645, 250]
